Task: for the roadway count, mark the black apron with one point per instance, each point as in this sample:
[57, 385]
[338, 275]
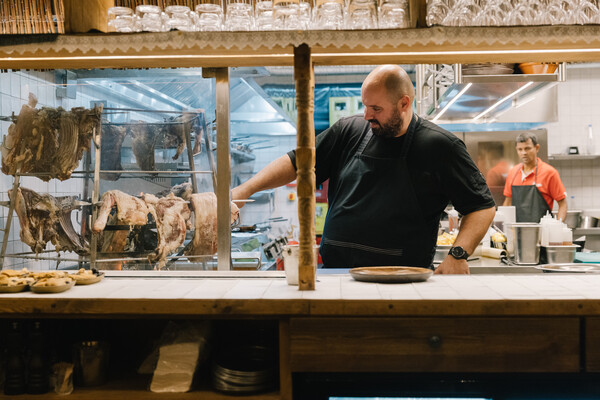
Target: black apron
[529, 203]
[375, 218]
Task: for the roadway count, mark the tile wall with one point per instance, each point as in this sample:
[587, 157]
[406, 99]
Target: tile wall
[578, 107]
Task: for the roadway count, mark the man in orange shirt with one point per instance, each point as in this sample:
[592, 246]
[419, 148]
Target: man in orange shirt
[532, 186]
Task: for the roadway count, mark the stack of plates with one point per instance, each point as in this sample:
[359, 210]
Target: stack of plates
[243, 370]
[487, 69]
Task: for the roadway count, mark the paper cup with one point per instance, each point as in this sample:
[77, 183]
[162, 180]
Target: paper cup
[291, 253]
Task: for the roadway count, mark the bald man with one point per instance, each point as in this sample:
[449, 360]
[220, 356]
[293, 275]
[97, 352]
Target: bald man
[391, 175]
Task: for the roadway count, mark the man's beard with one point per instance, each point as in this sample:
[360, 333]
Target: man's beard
[390, 129]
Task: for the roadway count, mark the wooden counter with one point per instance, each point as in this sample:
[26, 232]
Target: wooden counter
[544, 323]
[335, 295]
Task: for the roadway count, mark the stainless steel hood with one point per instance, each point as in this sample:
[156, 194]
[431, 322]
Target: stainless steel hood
[485, 99]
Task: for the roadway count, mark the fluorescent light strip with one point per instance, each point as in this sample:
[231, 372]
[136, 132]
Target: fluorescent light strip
[547, 52]
[502, 100]
[447, 106]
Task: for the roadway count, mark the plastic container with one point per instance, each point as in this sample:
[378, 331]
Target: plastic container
[590, 143]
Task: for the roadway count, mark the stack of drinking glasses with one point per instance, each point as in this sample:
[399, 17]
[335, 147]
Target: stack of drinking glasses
[150, 18]
[515, 12]
[263, 15]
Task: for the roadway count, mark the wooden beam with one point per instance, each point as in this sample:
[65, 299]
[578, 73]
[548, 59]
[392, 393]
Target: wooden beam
[305, 165]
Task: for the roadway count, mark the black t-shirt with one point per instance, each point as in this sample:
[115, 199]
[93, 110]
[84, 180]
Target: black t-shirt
[440, 168]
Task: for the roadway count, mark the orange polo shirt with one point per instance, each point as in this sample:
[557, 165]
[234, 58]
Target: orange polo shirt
[548, 182]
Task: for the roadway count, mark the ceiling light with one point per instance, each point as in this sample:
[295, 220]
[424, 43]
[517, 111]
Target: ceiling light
[447, 106]
[502, 100]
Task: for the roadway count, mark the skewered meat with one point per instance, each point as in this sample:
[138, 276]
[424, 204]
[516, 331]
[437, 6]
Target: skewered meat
[44, 218]
[112, 242]
[204, 206]
[110, 160]
[183, 190]
[172, 216]
[144, 137]
[175, 131]
[48, 141]
[68, 239]
[130, 210]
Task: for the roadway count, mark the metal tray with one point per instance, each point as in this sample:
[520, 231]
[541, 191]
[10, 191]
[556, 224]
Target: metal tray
[571, 268]
[391, 274]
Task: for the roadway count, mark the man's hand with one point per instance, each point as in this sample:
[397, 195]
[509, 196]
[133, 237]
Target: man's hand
[451, 265]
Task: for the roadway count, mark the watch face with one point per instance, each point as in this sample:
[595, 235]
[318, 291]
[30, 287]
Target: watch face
[458, 252]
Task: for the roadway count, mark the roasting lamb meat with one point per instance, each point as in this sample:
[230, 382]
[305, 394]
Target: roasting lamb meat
[172, 216]
[44, 218]
[175, 131]
[205, 239]
[130, 210]
[48, 141]
[183, 190]
[144, 141]
[110, 159]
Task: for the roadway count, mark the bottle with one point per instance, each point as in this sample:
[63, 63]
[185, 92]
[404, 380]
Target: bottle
[571, 203]
[14, 373]
[452, 220]
[590, 144]
[38, 373]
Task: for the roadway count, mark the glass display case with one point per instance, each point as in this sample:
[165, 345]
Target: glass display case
[81, 142]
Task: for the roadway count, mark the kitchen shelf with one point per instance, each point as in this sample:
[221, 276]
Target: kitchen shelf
[573, 157]
[506, 78]
[137, 389]
[435, 45]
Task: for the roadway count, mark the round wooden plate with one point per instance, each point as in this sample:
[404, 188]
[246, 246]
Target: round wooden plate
[13, 289]
[93, 278]
[52, 289]
[391, 274]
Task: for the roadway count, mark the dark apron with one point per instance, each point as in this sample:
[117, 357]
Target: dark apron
[529, 203]
[375, 218]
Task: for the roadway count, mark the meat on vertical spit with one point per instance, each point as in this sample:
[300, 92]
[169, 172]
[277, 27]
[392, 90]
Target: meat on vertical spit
[48, 141]
[130, 210]
[205, 239]
[144, 138]
[175, 131]
[44, 218]
[172, 216]
[110, 145]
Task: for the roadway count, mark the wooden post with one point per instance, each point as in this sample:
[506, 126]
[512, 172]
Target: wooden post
[84, 16]
[305, 165]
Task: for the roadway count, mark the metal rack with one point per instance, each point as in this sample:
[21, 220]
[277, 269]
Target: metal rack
[94, 175]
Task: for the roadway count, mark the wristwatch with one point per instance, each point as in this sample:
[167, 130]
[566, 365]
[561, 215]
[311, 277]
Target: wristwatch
[459, 253]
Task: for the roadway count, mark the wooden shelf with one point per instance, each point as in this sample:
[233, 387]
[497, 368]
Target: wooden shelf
[136, 389]
[573, 157]
[230, 49]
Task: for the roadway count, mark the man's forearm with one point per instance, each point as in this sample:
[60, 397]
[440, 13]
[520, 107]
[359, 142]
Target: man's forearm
[278, 173]
[562, 210]
[473, 227]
